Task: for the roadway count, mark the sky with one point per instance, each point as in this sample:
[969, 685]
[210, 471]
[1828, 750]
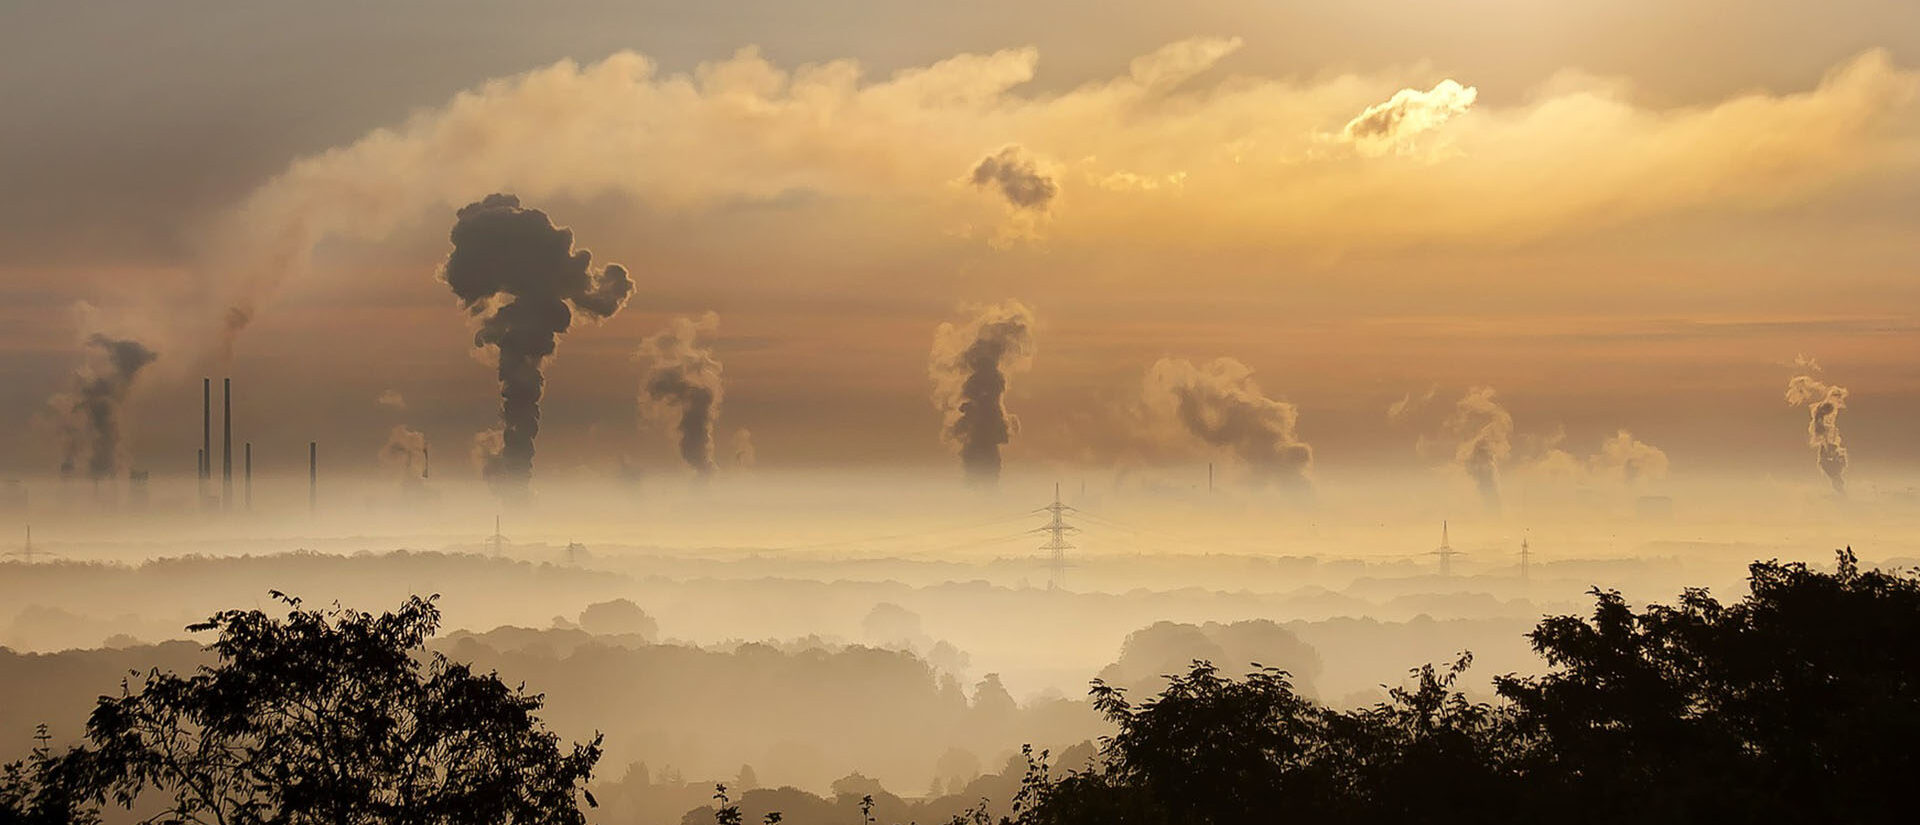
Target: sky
[1592, 239]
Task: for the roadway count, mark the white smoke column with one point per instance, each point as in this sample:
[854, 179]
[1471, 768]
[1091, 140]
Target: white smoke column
[683, 381]
[1824, 403]
[1485, 430]
[1629, 459]
[1221, 405]
[745, 456]
[90, 413]
[970, 364]
[406, 454]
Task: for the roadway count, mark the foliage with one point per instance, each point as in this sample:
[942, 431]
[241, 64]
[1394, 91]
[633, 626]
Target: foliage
[330, 716]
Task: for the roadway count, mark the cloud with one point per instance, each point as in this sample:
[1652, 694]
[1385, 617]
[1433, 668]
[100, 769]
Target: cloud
[1258, 174]
[1393, 124]
[391, 399]
[1220, 405]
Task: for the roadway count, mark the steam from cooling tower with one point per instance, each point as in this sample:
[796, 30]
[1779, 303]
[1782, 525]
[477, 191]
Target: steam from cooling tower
[1485, 430]
[970, 364]
[683, 379]
[520, 275]
[1221, 405]
[1823, 402]
[744, 454]
[90, 413]
[406, 454]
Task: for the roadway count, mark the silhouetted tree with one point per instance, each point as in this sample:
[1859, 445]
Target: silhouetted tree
[46, 788]
[331, 716]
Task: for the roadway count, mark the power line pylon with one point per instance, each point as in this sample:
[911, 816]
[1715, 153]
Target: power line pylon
[1526, 561]
[1446, 552]
[497, 539]
[1056, 545]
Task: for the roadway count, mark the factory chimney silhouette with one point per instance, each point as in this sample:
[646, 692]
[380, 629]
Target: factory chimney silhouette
[206, 436]
[226, 444]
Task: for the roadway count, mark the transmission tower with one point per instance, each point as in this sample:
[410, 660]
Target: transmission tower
[26, 551]
[1526, 560]
[496, 539]
[1446, 552]
[1056, 545]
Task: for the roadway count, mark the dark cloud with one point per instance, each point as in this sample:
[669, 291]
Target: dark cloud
[683, 379]
[520, 275]
[90, 412]
[1221, 405]
[1014, 173]
[969, 364]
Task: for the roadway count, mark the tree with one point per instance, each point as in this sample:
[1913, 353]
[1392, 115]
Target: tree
[333, 716]
[46, 788]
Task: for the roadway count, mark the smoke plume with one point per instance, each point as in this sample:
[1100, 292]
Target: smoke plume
[1016, 175]
[1485, 430]
[969, 365]
[1824, 403]
[406, 454]
[683, 380]
[520, 275]
[89, 413]
[744, 454]
[1221, 405]
[1629, 459]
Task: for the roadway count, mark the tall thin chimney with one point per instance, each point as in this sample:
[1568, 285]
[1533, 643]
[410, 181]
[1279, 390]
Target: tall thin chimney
[206, 431]
[249, 458]
[426, 463]
[313, 475]
[226, 443]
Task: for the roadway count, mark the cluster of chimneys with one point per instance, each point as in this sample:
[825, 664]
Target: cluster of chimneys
[226, 451]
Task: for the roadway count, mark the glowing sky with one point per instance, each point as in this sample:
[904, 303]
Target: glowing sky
[1616, 215]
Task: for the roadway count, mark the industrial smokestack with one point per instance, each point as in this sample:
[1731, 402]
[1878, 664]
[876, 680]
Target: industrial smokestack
[313, 476]
[520, 275]
[969, 365]
[248, 447]
[206, 433]
[226, 443]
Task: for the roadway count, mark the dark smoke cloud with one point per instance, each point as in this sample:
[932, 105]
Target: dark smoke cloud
[520, 275]
[969, 364]
[1018, 178]
[1221, 405]
[1824, 403]
[683, 379]
[1485, 430]
[90, 412]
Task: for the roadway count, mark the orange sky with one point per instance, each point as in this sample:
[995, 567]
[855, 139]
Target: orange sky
[1357, 207]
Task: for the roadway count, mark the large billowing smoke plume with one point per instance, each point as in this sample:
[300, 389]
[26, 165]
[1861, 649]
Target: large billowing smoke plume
[406, 454]
[1485, 432]
[89, 413]
[520, 275]
[1221, 405]
[683, 380]
[1823, 402]
[969, 365]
